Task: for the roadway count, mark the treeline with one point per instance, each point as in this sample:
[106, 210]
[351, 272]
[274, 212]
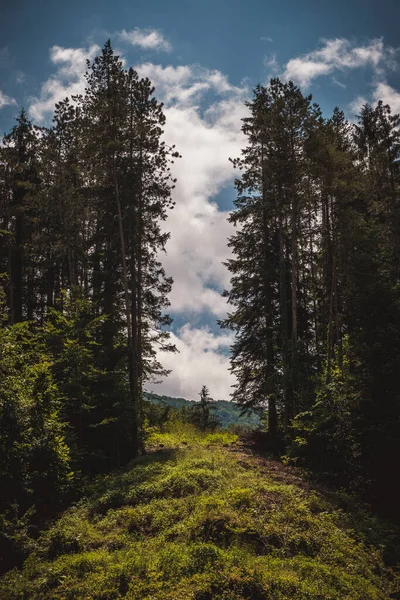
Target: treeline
[160, 410]
[315, 284]
[226, 413]
[83, 291]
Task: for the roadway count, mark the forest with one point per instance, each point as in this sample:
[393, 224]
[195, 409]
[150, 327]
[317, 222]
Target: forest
[314, 306]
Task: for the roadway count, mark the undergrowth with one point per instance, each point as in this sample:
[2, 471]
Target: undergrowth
[198, 518]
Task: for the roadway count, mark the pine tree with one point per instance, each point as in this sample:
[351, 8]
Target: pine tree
[201, 413]
[147, 194]
[21, 178]
[131, 182]
[270, 211]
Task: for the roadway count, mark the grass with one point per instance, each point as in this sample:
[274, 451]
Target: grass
[200, 518]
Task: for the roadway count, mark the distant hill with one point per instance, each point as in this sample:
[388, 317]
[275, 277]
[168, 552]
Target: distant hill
[227, 412]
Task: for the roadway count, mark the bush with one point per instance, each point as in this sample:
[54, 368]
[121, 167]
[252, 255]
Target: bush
[35, 468]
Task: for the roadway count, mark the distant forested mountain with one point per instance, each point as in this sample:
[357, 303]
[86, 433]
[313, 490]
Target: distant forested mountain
[228, 413]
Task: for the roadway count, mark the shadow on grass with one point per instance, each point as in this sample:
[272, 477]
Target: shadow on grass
[115, 490]
[369, 527]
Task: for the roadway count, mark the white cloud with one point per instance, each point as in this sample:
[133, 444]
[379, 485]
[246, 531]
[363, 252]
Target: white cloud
[339, 83]
[357, 104]
[338, 54]
[272, 64]
[381, 91]
[199, 362]
[303, 71]
[199, 230]
[68, 79]
[186, 84]
[148, 39]
[6, 100]
[388, 95]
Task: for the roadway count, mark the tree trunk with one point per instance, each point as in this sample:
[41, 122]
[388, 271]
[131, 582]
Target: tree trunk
[268, 307]
[294, 277]
[139, 352]
[127, 300]
[284, 317]
[17, 270]
[328, 278]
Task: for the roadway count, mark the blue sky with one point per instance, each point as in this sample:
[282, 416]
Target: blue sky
[204, 58]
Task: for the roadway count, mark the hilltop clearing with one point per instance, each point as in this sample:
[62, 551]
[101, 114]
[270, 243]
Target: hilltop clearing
[203, 517]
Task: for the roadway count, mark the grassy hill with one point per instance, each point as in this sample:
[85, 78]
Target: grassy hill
[201, 517]
[228, 413]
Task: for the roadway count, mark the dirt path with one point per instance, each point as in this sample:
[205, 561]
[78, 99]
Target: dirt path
[249, 458]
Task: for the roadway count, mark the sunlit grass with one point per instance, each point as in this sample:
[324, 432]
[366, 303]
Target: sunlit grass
[192, 521]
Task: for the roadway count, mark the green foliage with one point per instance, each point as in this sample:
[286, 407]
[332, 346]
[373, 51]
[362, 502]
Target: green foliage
[315, 279]
[194, 520]
[325, 437]
[34, 455]
[53, 417]
[272, 366]
[81, 207]
[96, 401]
[178, 431]
[201, 413]
[35, 469]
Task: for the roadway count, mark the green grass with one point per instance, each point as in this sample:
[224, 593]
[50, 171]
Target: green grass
[196, 520]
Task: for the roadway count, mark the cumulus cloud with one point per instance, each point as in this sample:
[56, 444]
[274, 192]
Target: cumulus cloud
[206, 139]
[201, 361]
[148, 39]
[381, 91]
[388, 95]
[204, 112]
[186, 84]
[68, 79]
[338, 54]
[6, 100]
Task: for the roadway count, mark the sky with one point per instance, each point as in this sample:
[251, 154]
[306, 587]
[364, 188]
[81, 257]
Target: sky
[204, 59]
